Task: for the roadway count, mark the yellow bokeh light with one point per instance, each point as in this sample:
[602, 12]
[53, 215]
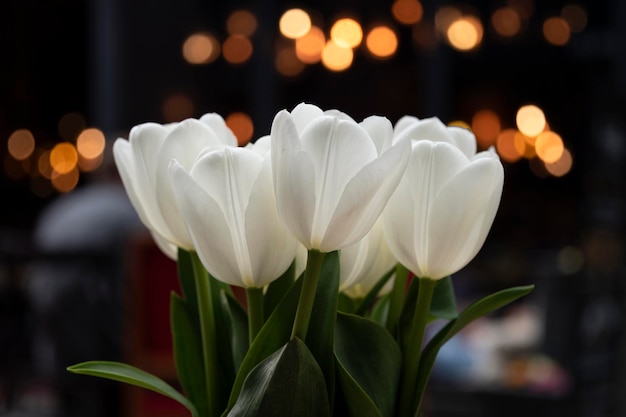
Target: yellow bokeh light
[70, 125]
[549, 147]
[335, 57]
[177, 107]
[523, 147]
[575, 16]
[556, 31]
[486, 127]
[530, 120]
[294, 23]
[346, 33]
[382, 41]
[287, 62]
[21, 144]
[506, 21]
[505, 146]
[201, 48]
[63, 157]
[465, 33]
[562, 166]
[65, 182]
[241, 22]
[90, 143]
[241, 125]
[407, 12]
[460, 123]
[237, 49]
[309, 47]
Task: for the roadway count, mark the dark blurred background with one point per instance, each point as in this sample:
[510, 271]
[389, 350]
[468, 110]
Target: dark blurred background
[75, 75]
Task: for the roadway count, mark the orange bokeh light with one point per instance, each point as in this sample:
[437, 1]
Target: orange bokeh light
[549, 147]
[237, 49]
[407, 12]
[309, 47]
[241, 22]
[241, 125]
[505, 145]
[556, 30]
[21, 144]
[346, 33]
[201, 48]
[562, 166]
[486, 127]
[294, 23]
[382, 41]
[63, 157]
[506, 21]
[465, 33]
[335, 57]
[90, 143]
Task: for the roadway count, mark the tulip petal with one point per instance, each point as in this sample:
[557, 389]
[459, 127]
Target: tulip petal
[464, 139]
[365, 197]
[430, 128]
[294, 178]
[466, 208]
[380, 130]
[217, 124]
[304, 113]
[403, 123]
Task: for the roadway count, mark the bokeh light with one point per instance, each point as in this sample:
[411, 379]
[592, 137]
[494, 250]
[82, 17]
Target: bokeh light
[287, 62]
[556, 31]
[310, 46]
[294, 23]
[237, 49]
[407, 12]
[90, 164]
[506, 21]
[65, 182]
[241, 125]
[505, 146]
[523, 146]
[201, 48]
[465, 33]
[44, 167]
[241, 22]
[21, 144]
[549, 147]
[177, 107]
[346, 33]
[525, 8]
[486, 127]
[562, 166]
[63, 158]
[445, 16]
[90, 143]
[382, 41]
[70, 125]
[575, 16]
[530, 120]
[335, 57]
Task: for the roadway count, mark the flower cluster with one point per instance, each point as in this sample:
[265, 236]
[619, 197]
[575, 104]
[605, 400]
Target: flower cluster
[344, 235]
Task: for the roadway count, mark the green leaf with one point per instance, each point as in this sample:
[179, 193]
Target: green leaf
[380, 311]
[474, 311]
[237, 323]
[370, 368]
[277, 289]
[275, 333]
[321, 331]
[186, 277]
[188, 354]
[372, 295]
[443, 304]
[223, 331]
[287, 383]
[130, 375]
[346, 304]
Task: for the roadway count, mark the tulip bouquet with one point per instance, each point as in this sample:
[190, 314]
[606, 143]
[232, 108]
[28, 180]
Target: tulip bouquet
[344, 236]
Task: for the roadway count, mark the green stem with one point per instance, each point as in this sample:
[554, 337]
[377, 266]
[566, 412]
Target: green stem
[207, 327]
[307, 294]
[413, 349]
[396, 301]
[254, 299]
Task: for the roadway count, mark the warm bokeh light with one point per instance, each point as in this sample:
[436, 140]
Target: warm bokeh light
[523, 147]
[556, 31]
[241, 125]
[460, 123]
[465, 33]
[21, 144]
[445, 16]
[335, 57]
[287, 62]
[177, 107]
[525, 8]
[65, 182]
[486, 127]
[505, 146]
[309, 47]
[63, 158]
[425, 35]
[237, 49]
[201, 48]
[70, 125]
[562, 166]
[382, 41]
[43, 165]
[90, 164]
[549, 147]
[530, 120]
[506, 21]
[346, 33]
[407, 12]
[90, 143]
[241, 22]
[575, 16]
[294, 23]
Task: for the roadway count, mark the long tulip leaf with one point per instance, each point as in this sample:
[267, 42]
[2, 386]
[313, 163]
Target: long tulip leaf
[131, 375]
